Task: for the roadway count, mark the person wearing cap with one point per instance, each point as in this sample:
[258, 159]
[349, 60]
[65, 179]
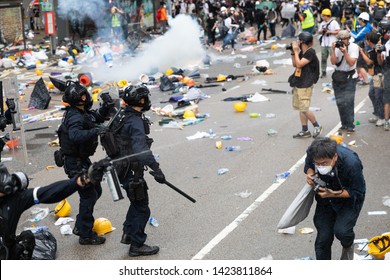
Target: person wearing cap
[379, 11]
[329, 28]
[345, 58]
[358, 36]
[384, 61]
[305, 60]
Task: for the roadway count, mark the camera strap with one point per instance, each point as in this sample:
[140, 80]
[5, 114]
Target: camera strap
[339, 63]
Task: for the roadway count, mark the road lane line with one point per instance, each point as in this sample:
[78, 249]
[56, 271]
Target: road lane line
[233, 225]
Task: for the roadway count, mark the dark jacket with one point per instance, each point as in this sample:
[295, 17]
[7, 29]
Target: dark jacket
[347, 174]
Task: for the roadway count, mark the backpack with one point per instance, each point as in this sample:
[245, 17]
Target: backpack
[316, 69]
[158, 14]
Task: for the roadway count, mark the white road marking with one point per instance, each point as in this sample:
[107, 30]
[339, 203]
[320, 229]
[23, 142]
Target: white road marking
[233, 225]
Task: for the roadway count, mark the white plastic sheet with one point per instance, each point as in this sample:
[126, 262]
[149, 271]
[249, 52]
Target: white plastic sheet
[299, 209]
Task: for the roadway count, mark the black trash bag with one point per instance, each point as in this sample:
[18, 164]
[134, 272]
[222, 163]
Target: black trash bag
[40, 96]
[45, 246]
[59, 84]
[166, 84]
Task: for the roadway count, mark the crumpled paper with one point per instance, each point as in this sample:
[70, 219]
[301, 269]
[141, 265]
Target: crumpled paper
[63, 221]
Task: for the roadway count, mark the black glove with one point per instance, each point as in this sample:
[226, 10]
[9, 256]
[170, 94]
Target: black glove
[96, 170]
[158, 176]
[10, 102]
[101, 129]
[107, 100]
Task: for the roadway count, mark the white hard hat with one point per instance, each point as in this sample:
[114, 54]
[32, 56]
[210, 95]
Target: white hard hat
[232, 9]
[387, 1]
[223, 9]
[364, 16]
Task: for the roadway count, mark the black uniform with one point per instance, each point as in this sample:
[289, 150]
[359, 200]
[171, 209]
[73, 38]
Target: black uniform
[78, 140]
[131, 173]
[12, 206]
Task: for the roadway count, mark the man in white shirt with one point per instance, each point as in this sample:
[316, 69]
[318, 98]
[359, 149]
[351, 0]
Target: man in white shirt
[329, 28]
[344, 56]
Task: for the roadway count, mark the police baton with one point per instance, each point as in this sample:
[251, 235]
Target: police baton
[176, 189]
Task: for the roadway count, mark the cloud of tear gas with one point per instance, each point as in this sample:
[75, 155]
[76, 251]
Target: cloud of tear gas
[179, 47]
[78, 9]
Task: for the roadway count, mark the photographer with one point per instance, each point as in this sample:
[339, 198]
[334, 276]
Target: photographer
[306, 74]
[339, 197]
[384, 61]
[344, 56]
[375, 92]
[329, 28]
[15, 198]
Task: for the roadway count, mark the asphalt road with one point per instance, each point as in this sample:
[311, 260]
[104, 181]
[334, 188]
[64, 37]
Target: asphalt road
[221, 225]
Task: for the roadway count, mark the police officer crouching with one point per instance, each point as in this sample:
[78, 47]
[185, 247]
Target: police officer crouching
[134, 140]
[78, 136]
[15, 198]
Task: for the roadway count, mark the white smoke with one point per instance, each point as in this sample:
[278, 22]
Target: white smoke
[79, 9]
[179, 47]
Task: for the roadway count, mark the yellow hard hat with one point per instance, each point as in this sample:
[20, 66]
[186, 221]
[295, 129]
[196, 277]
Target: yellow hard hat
[372, 2]
[102, 226]
[381, 3]
[169, 72]
[337, 138]
[122, 83]
[221, 78]
[188, 114]
[185, 80]
[240, 106]
[379, 245]
[301, 3]
[63, 209]
[326, 12]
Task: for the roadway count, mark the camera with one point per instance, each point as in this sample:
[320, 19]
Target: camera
[324, 31]
[289, 47]
[380, 48]
[339, 44]
[319, 183]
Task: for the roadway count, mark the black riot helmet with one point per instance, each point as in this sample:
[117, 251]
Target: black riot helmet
[306, 37]
[74, 92]
[132, 95]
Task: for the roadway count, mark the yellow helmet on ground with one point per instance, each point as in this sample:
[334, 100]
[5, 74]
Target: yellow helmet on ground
[379, 245]
[188, 114]
[169, 72]
[240, 106]
[63, 209]
[337, 138]
[102, 226]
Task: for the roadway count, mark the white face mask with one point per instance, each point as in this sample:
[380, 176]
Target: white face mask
[323, 170]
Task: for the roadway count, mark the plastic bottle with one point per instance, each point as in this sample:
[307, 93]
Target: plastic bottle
[233, 148]
[153, 222]
[272, 132]
[226, 137]
[270, 116]
[212, 134]
[254, 115]
[283, 175]
[222, 171]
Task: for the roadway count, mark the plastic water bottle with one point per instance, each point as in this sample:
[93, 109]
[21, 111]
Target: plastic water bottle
[108, 59]
[272, 132]
[254, 115]
[153, 222]
[233, 148]
[270, 116]
[283, 175]
[222, 171]
[226, 137]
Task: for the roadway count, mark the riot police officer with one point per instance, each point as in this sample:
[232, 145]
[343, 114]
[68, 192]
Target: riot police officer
[78, 136]
[134, 140]
[15, 198]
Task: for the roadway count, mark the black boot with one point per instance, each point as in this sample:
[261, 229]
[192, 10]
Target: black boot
[323, 75]
[94, 240]
[143, 250]
[126, 239]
